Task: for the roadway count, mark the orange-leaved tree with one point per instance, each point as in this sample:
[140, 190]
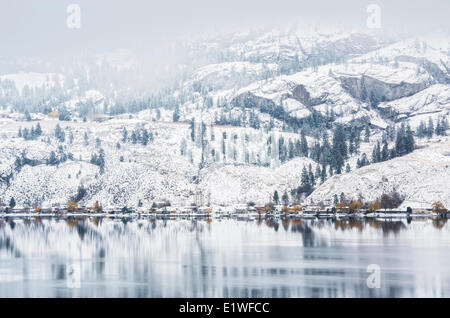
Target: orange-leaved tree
[72, 206]
[374, 206]
[439, 208]
[355, 206]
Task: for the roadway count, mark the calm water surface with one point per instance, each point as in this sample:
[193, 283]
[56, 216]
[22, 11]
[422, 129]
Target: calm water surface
[103, 257]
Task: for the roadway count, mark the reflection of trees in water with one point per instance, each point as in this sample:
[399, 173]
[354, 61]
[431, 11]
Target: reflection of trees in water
[439, 222]
[305, 230]
[348, 224]
[96, 221]
[387, 226]
[6, 244]
[285, 222]
[271, 223]
[81, 225]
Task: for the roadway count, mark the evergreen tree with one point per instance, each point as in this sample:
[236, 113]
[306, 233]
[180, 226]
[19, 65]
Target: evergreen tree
[52, 159]
[12, 203]
[409, 140]
[303, 144]
[38, 130]
[323, 174]
[176, 114]
[430, 128]
[86, 139]
[367, 134]
[285, 198]
[339, 150]
[305, 185]
[311, 178]
[400, 145]
[385, 151]
[276, 198]
[134, 137]
[124, 135]
[192, 128]
[347, 168]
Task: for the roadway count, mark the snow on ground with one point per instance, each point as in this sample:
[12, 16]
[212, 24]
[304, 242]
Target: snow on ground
[422, 177]
[433, 47]
[231, 184]
[433, 101]
[135, 172]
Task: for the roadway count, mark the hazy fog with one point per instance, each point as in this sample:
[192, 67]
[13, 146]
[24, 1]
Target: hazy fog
[38, 28]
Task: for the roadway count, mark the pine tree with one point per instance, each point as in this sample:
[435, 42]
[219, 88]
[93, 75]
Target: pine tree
[276, 198]
[86, 139]
[285, 198]
[312, 180]
[367, 134]
[323, 175]
[192, 128]
[124, 135]
[303, 144]
[400, 145]
[385, 151]
[409, 140]
[430, 128]
[305, 186]
[12, 203]
[38, 130]
[347, 168]
[176, 114]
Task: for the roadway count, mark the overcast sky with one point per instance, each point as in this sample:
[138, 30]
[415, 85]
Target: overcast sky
[37, 28]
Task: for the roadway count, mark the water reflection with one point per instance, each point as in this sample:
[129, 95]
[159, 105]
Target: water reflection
[274, 257]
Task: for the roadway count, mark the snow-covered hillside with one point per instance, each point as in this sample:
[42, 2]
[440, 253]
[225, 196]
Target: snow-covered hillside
[266, 104]
[422, 177]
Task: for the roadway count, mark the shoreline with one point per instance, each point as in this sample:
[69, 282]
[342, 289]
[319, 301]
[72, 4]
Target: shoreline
[252, 215]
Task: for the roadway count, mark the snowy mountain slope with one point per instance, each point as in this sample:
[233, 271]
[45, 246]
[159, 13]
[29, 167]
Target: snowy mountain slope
[433, 102]
[422, 177]
[136, 172]
[249, 89]
[228, 75]
[230, 184]
[430, 52]
[300, 42]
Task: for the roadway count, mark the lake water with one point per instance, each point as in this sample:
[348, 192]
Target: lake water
[103, 257]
